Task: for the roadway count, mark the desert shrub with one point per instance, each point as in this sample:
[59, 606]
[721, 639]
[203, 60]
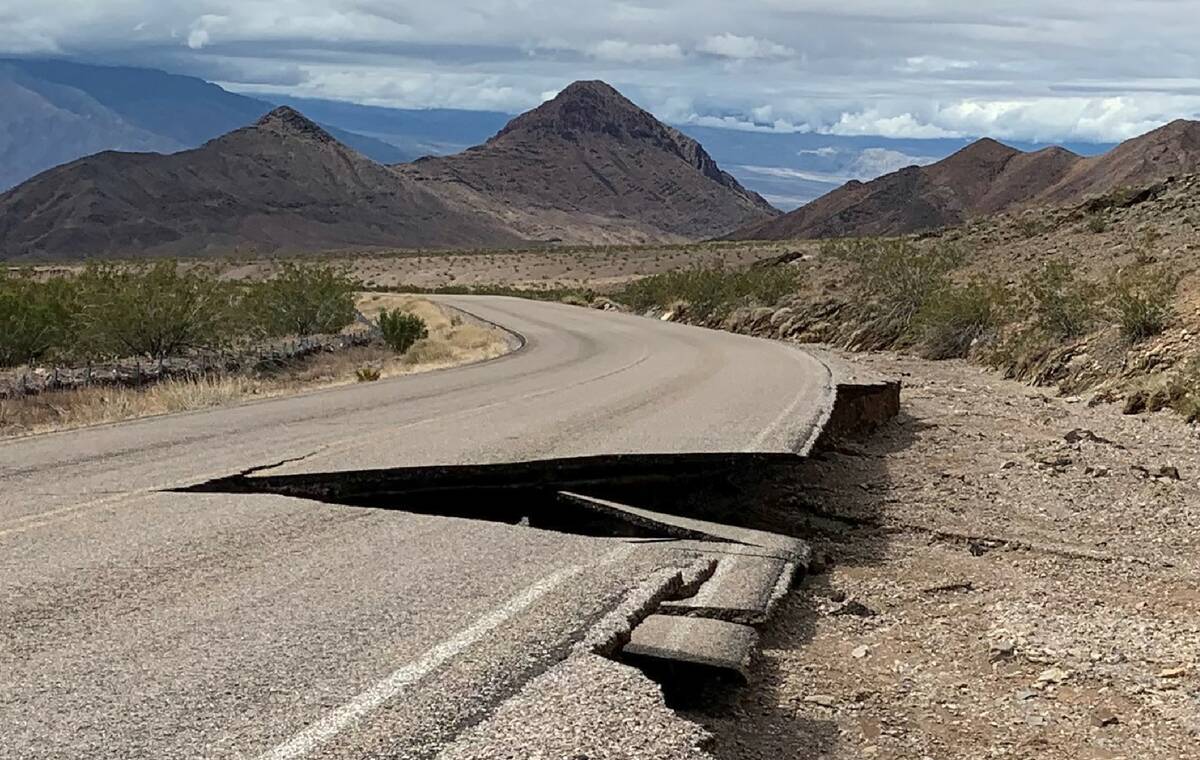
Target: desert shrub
[367, 374]
[1061, 306]
[36, 318]
[958, 317]
[900, 278]
[153, 310]
[303, 300]
[1030, 227]
[711, 291]
[401, 330]
[1096, 223]
[1141, 301]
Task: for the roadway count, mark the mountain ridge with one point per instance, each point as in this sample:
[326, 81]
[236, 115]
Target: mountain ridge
[590, 165]
[983, 178]
[281, 184]
[286, 183]
[59, 111]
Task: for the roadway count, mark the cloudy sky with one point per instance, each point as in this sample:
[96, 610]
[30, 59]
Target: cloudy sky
[1043, 70]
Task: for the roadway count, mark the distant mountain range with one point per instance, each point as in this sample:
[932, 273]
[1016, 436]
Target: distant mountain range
[283, 183]
[985, 177]
[586, 167]
[57, 111]
[64, 110]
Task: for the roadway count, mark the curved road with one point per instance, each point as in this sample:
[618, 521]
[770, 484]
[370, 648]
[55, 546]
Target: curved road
[138, 622]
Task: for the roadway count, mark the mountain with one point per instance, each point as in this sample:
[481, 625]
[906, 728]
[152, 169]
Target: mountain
[63, 110]
[58, 111]
[985, 177]
[590, 166]
[283, 183]
[1169, 151]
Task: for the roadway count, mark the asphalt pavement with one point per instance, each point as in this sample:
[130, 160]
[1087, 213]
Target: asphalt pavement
[136, 621]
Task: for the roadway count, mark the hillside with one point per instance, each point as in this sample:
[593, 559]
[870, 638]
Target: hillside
[984, 178]
[283, 183]
[590, 166]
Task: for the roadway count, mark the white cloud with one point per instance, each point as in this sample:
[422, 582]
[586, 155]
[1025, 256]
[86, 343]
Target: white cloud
[732, 46]
[1017, 69]
[872, 122]
[634, 52]
[197, 38]
[932, 64]
[200, 34]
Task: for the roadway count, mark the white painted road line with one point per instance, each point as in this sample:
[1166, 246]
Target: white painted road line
[382, 692]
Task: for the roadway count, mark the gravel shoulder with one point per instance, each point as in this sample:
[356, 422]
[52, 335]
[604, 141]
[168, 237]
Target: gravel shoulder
[1009, 575]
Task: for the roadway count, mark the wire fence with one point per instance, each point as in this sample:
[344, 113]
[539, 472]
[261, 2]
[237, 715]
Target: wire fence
[133, 373]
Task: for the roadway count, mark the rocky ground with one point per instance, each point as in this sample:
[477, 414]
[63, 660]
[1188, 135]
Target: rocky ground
[1010, 574]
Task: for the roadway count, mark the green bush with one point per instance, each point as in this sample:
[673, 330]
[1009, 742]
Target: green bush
[1062, 307]
[900, 278]
[958, 317]
[36, 318]
[1141, 301]
[153, 310]
[711, 291]
[302, 300]
[401, 330]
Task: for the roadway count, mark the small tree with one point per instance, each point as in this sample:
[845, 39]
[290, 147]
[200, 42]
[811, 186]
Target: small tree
[303, 300]
[154, 310]
[35, 318]
[401, 330]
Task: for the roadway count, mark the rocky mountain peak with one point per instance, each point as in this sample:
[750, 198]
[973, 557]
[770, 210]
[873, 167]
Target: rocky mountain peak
[587, 108]
[984, 150]
[288, 121]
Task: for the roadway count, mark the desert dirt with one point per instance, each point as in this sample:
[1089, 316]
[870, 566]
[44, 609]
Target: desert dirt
[534, 269]
[1010, 574]
[453, 340]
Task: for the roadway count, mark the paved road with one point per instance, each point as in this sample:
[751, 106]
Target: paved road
[141, 623]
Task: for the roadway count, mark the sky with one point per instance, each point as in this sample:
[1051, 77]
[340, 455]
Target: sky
[1038, 70]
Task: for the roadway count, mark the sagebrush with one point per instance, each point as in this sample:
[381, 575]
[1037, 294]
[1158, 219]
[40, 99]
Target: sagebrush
[401, 330]
[711, 291]
[161, 310]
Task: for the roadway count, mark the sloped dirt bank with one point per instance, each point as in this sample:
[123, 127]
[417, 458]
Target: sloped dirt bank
[1018, 577]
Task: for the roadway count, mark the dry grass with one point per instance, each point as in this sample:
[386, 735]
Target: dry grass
[452, 341]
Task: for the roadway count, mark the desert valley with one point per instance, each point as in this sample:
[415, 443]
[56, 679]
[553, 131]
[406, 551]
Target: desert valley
[999, 510]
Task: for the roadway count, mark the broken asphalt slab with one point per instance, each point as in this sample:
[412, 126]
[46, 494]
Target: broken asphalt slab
[716, 644]
[744, 589]
[773, 544]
